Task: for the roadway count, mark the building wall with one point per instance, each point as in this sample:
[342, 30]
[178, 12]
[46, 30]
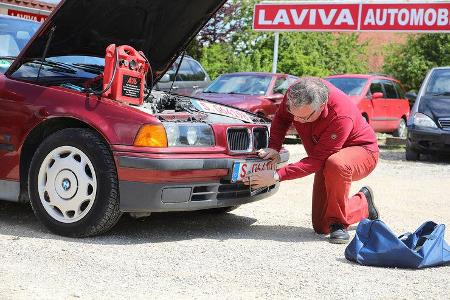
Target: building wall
[377, 44]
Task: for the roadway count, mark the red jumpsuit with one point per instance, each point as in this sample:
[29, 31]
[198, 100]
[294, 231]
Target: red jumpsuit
[341, 148]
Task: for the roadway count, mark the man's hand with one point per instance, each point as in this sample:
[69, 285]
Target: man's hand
[269, 153]
[261, 179]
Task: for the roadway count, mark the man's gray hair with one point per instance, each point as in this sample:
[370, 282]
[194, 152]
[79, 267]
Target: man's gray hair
[307, 91]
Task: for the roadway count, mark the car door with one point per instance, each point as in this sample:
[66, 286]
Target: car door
[392, 106]
[378, 116]
[275, 95]
[403, 107]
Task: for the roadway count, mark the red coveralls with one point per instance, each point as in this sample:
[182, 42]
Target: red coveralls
[341, 148]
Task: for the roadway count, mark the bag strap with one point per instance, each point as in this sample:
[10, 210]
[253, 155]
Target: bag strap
[404, 236]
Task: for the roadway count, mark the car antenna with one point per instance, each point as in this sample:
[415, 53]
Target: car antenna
[176, 72]
[47, 45]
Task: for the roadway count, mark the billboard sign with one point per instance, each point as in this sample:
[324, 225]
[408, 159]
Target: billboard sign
[353, 16]
[27, 15]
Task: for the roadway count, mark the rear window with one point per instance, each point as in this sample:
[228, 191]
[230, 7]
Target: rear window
[439, 83]
[350, 86]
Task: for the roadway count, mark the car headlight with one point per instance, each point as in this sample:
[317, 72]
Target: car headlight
[189, 135]
[423, 121]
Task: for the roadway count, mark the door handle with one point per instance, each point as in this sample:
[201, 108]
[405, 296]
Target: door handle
[174, 87]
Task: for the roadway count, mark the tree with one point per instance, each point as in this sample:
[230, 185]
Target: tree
[411, 61]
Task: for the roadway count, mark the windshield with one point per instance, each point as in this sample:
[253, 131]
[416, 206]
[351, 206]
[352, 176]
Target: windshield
[14, 35]
[350, 86]
[439, 84]
[240, 84]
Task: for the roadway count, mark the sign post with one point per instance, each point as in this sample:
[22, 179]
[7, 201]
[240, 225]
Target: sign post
[275, 52]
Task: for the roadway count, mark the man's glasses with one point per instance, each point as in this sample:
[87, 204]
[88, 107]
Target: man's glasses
[301, 118]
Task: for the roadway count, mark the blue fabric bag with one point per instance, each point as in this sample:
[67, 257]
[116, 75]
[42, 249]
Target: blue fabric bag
[376, 245]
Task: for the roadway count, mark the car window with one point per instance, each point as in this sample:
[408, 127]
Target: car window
[281, 86]
[246, 84]
[350, 86]
[439, 82]
[391, 93]
[185, 73]
[199, 74]
[8, 45]
[400, 91]
[14, 35]
[376, 87]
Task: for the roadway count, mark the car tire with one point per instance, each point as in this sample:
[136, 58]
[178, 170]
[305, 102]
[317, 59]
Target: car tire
[401, 130]
[412, 155]
[73, 184]
[222, 210]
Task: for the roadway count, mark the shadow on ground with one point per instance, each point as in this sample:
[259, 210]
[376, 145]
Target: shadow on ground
[399, 155]
[18, 220]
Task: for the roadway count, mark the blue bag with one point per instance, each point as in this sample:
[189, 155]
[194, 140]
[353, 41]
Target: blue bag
[375, 245]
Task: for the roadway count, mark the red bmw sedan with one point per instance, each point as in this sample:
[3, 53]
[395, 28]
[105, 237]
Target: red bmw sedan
[83, 156]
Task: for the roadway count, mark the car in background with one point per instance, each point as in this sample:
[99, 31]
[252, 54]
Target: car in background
[190, 78]
[429, 124]
[81, 156]
[257, 92]
[14, 34]
[380, 99]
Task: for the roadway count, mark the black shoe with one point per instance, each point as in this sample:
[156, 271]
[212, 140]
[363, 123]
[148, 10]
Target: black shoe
[338, 234]
[373, 211]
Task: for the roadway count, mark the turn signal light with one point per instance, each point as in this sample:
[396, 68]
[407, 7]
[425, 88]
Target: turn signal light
[151, 136]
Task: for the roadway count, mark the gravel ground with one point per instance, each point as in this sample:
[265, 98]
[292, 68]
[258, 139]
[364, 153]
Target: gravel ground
[262, 250]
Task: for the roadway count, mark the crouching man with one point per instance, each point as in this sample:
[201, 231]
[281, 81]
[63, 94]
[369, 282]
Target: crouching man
[341, 148]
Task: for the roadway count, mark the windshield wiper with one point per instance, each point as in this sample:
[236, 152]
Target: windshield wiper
[8, 57]
[442, 94]
[57, 65]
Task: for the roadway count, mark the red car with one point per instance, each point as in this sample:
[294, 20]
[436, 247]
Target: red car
[82, 158]
[259, 93]
[380, 99]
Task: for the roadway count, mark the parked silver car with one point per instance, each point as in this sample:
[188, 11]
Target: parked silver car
[190, 78]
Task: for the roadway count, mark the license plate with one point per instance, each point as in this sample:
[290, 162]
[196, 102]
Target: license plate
[242, 169]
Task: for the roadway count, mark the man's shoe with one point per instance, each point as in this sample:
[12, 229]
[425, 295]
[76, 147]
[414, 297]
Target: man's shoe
[373, 211]
[338, 234]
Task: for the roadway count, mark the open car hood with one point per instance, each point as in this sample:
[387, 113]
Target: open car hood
[159, 28]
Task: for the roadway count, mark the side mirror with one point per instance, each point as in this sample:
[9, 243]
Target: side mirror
[411, 95]
[377, 95]
[275, 97]
[165, 78]
[197, 91]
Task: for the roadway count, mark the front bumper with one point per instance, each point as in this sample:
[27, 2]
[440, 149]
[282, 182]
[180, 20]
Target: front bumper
[425, 140]
[179, 192]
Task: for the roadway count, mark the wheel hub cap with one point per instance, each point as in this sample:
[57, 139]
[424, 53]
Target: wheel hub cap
[67, 184]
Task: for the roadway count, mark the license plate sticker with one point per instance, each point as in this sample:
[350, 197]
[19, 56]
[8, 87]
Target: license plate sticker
[242, 169]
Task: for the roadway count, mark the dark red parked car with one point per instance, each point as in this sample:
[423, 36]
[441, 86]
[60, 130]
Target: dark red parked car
[380, 99]
[259, 93]
[82, 159]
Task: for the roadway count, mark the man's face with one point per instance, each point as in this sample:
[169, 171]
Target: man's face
[305, 113]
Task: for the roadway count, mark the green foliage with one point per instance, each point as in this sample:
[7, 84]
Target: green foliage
[410, 62]
[321, 54]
